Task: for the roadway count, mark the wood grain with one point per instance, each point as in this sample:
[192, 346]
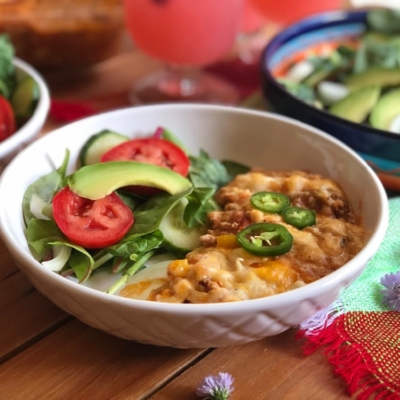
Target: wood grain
[25, 314]
[79, 362]
[273, 368]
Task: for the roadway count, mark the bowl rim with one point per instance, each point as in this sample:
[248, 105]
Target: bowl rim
[286, 298]
[306, 25]
[36, 121]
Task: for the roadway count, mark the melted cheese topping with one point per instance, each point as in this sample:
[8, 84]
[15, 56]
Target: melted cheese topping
[221, 271]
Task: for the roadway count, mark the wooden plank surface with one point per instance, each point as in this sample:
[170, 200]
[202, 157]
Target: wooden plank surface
[79, 362]
[273, 368]
[25, 314]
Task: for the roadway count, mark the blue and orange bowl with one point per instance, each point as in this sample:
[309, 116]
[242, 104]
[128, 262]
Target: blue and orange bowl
[381, 149]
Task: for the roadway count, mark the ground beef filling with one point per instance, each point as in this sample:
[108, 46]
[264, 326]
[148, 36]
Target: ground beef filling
[221, 271]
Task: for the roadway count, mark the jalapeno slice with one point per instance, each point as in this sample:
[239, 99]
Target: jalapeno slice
[265, 239]
[270, 202]
[299, 217]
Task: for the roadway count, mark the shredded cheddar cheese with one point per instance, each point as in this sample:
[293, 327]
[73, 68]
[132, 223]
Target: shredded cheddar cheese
[222, 271]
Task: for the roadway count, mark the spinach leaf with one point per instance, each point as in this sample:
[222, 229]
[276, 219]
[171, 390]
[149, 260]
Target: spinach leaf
[148, 216]
[39, 234]
[43, 234]
[200, 203]
[7, 69]
[45, 187]
[208, 172]
[384, 20]
[300, 90]
[375, 53]
[4, 90]
[234, 168]
[133, 249]
[80, 261]
[338, 62]
[130, 199]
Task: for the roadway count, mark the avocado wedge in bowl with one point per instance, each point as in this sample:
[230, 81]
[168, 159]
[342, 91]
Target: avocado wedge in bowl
[340, 71]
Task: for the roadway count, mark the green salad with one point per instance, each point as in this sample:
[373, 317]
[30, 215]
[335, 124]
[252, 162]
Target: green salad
[19, 93]
[127, 201]
[357, 79]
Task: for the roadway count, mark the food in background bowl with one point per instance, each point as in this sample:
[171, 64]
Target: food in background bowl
[19, 92]
[356, 78]
[247, 137]
[352, 64]
[24, 102]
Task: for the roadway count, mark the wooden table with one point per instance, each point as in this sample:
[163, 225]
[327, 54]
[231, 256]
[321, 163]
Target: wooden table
[47, 354]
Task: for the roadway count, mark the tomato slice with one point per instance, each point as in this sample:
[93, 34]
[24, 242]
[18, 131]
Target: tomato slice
[92, 224]
[153, 151]
[7, 119]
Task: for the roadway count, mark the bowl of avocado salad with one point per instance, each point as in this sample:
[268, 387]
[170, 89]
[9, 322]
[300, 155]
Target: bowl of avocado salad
[24, 102]
[340, 72]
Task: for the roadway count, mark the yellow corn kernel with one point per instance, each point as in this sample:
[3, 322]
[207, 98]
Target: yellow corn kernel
[227, 241]
[178, 267]
[276, 272]
[183, 288]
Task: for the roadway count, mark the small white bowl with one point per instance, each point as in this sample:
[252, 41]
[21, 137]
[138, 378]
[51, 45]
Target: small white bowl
[252, 137]
[28, 132]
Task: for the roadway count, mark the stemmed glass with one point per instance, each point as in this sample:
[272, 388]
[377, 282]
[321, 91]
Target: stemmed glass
[186, 35]
[251, 39]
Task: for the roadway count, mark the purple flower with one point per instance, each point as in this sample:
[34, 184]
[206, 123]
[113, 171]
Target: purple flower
[391, 295]
[216, 387]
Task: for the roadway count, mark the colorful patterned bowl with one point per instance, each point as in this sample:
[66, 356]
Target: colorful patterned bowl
[380, 148]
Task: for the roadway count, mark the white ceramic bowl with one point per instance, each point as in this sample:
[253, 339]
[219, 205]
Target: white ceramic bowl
[28, 132]
[252, 137]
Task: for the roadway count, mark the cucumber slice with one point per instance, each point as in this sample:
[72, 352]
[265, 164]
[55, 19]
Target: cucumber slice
[98, 144]
[357, 105]
[25, 97]
[179, 239]
[168, 135]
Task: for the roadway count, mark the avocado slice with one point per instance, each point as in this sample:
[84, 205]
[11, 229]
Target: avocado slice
[98, 180]
[379, 76]
[357, 105]
[376, 36]
[25, 97]
[386, 110]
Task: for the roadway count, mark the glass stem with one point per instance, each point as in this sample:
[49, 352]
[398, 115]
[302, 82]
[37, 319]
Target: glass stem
[182, 81]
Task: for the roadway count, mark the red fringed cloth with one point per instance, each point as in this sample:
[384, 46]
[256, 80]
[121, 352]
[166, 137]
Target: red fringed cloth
[359, 334]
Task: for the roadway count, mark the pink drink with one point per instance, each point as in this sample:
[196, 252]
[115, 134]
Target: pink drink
[288, 11]
[252, 18]
[190, 32]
